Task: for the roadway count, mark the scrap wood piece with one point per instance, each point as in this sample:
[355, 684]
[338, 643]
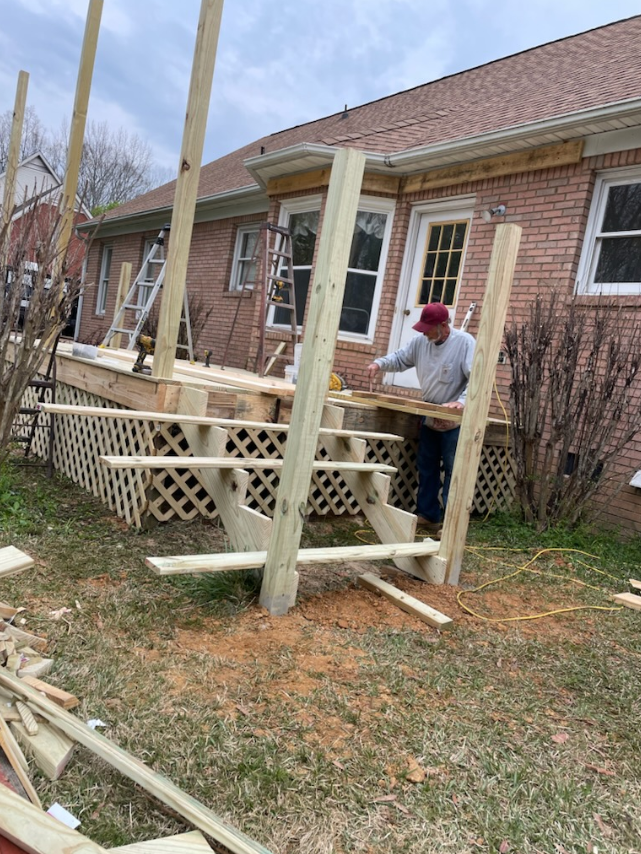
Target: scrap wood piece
[179, 565]
[17, 761]
[22, 638]
[169, 461]
[406, 602]
[35, 667]
[183, 843]
[629, 600]
[26, 718]
[635, 584]
[162, 788]
[50, 748]
[12, 560]
[37, 832]
[62, 698]
[7, 612]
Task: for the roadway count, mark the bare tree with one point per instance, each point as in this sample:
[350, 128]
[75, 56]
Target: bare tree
[575, 396]
[36, 298]
[116, 165]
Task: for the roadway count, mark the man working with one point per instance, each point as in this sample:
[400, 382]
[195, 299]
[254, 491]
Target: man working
[442, 357]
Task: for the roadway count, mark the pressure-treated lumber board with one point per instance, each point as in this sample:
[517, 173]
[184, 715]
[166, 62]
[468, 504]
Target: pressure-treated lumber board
[204, 421]
[544, 157]
[22, 638]
[278, 591]
[186, 564]
[13, 153]
[635, 584]
[162, 788]
[373, 182]
[123, 289]
[402, 404]
[78, 122]
[169, 461]
[18, 762]
[406, 602]
[246, 528]
[62, 698]
[479, 393]
[630, 600]
[12, 560]
[37, 832]
[50, 748]
[191, 154]
[184, 843]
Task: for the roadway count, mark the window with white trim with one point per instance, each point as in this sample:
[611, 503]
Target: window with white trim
[243, 267]
[366, 265]
[611, 258]
[103, 281]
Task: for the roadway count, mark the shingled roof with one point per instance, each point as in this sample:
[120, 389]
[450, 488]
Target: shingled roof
[588, 70]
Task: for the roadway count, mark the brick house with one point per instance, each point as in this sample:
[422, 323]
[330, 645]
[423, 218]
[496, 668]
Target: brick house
[552, 133]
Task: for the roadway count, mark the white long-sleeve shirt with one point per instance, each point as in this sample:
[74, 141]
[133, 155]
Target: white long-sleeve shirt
[443, 369]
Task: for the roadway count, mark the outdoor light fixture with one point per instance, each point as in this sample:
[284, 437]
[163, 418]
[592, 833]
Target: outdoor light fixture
[499, 210]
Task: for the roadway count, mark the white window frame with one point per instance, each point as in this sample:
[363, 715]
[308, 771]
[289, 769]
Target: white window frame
[592, 241]
[103, 282]
[235, 284]
[369, 204]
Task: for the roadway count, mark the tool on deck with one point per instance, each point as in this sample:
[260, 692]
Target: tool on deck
[139, 301]
[146, 347]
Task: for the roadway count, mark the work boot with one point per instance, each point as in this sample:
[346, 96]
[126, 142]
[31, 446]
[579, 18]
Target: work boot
[430, 527]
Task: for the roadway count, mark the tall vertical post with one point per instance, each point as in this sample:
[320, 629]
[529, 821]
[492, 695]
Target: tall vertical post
[13, 154]
[123, 289]
[78, 123]
[470, 444]
[182, 221]
[321, 330]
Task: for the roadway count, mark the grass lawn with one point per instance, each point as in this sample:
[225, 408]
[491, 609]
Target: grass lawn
[347, 725]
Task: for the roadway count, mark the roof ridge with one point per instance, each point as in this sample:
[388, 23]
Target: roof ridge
[449, 76]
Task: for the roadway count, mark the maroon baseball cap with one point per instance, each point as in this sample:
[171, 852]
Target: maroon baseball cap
[431, 316]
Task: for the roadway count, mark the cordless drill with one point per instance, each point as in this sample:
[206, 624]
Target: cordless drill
[146, 347]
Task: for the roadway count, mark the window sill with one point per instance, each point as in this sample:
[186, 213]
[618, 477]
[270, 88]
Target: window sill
[614, 300]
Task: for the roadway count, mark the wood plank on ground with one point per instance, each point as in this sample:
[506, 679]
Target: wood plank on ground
[406, 602]
[18, 761]
[189, 808]
[12, 560]
[184, 843]
[37, 832]
[629, 600]
[185, 564]
[50, 748]
[168, 461]
[635, 584]
[62, 698]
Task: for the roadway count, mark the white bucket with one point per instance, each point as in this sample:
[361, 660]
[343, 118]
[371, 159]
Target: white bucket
[298, 349]
[85, 351]
[291, 373]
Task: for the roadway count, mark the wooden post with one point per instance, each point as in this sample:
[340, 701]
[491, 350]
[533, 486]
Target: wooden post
[278, 591]
[123, 290]
[470, 444]
[78, 122]
[13, 154]
[182, 221]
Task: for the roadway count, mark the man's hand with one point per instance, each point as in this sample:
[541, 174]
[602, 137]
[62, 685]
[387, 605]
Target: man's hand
[454, 405]
[442, 423]
[372, 370]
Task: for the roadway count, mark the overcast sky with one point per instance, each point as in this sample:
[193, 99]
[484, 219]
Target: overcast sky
[278, 64]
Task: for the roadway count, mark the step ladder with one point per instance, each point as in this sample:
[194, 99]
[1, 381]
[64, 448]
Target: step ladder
[40, 420]
[273, 251]
[141, 297]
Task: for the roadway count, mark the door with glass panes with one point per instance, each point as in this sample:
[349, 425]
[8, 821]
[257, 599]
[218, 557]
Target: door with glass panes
[435, 273]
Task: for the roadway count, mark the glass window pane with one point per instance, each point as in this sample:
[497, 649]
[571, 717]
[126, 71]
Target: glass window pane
[246, 274]
[430, 261]
[619, 261]
[455, 263]
[437, 290]
[367, 241]
[459, 235]
[450, 292]
[441, 264]
[435, 235]
[623, 209]
[304, 227]
[248, 244]
[301, 285]
[357, 303]
[424, 296]
[448, 233]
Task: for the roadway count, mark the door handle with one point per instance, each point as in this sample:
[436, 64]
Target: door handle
[407, 312]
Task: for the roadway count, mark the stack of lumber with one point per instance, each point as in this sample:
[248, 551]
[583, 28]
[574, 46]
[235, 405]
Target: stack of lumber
[630, 600]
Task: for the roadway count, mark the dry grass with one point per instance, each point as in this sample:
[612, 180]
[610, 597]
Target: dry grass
[302, 730]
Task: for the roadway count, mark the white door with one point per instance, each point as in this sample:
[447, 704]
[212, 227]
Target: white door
[434, 268]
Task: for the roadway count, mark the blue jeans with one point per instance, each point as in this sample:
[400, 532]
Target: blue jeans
[434, 447]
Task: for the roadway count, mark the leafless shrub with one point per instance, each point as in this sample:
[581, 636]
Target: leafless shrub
[575, 395]
[37, 293]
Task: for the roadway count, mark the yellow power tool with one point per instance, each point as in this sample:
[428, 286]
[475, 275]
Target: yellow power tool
[146, 347]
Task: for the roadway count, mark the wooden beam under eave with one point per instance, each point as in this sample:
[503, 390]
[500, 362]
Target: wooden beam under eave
[544, 157]
[372, 182]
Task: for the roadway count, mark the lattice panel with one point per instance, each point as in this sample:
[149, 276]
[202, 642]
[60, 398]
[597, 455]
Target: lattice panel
[133, 493]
